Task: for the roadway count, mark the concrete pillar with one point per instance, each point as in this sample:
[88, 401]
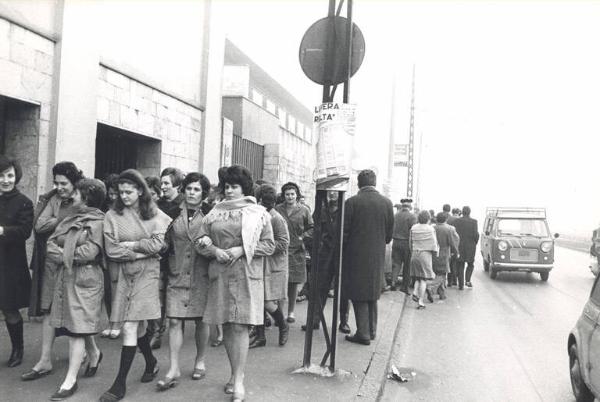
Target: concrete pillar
[77, 86]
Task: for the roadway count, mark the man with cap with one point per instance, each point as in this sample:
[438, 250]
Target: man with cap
[403, 221]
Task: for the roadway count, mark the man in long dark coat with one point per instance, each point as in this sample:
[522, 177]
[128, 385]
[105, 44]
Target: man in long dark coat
[368, 226]
[466, 227]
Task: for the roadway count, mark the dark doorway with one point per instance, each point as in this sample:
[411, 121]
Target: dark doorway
[117, 150]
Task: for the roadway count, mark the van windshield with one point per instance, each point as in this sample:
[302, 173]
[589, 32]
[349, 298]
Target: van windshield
[522, 227]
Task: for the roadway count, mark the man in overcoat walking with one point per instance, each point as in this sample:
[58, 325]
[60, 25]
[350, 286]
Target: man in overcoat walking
[466, 227]
[403, 221]
[368, 226]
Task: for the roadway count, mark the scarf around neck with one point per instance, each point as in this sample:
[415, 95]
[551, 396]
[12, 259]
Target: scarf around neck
[253, 216]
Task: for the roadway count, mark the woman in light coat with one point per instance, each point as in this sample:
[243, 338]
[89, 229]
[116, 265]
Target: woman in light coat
[235, 235]
[76, 249]
[50, 211]
[134, 235]
[188, 279]
[423, 245]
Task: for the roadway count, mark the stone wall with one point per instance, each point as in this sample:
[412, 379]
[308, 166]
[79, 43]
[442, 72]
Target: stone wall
[131, 105]
[26, 73]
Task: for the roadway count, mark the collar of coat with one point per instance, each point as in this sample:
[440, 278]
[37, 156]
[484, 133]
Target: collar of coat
[366, 189]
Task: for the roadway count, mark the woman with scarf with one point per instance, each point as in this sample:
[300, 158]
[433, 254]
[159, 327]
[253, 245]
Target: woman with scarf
[235, 235]
[423, 245]
[300, 224]
[76, 251]
[134, 235]
[188, 279]
[16, 222]
[52, 208]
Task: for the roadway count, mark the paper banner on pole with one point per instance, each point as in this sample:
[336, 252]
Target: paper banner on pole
[335, 124]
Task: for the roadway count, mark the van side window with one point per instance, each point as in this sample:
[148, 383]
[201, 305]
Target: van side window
[596, 293]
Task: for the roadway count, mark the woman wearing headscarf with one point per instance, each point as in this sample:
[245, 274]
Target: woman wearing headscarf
[134, 235]
[423, 245]
[188, 279]
[276, 269]
[300, 224]
[16, 222]
[235, 235]
[76, 249]
[52, 208]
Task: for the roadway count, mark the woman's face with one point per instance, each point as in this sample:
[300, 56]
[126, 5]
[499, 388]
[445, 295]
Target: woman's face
[290, 196]
[64, 187]
[76, 196]
[8, 179]
[112, 195]
[155, 196]
[129, 194]
[166, 185]
[233, 191]
[193, 194]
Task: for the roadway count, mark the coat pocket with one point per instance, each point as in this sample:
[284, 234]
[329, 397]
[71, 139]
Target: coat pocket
[88, 276]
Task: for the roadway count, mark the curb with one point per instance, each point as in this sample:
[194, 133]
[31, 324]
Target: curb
[374, 381]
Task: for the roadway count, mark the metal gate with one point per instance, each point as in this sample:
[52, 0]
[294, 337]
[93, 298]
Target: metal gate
[248, 154]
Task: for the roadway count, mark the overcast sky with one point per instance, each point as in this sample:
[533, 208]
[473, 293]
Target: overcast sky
[507, 94]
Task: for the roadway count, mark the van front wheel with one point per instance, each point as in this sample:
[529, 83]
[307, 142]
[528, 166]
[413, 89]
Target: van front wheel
[486, 265]
[545, 276]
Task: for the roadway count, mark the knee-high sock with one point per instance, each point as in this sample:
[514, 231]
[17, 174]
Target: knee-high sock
[127, 354]
[144, 345]
[278, 316]
[15, 331]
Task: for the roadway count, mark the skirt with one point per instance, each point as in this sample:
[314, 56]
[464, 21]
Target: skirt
[421, 265]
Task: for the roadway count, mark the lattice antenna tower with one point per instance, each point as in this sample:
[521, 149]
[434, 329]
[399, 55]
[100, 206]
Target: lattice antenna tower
[411, 141]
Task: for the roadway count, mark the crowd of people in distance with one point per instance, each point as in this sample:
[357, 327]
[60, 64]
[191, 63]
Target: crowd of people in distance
[430, 251]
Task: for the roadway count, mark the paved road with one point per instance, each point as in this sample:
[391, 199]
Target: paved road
[503, 340]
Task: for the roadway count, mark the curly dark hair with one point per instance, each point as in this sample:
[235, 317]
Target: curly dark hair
[441, 217]
[238, 174]
[197, 177]
[69, 170]
[291, 186]
[93, 192]
[175, 174]
[147, 206]
[6, 163]
[267, 196]
[367, 177]
[153, 183]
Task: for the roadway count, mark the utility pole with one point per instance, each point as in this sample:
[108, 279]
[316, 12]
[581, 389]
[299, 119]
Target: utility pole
[411, 141]
[392, 140]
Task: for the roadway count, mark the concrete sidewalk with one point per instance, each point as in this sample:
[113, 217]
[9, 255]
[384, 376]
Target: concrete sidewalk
[268, 375]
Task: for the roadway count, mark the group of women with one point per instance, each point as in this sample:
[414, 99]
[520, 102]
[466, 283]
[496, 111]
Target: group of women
[225, 266]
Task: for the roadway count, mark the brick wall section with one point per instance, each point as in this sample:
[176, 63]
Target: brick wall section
[136, 107]
[26, 69]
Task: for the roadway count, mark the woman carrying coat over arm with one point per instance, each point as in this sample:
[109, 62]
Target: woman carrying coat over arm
[423, 246]
[134, 235]
[76, 248]
[16, 222]
[235, 235]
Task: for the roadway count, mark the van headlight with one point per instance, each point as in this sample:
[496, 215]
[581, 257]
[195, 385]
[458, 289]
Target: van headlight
[502, 245]
[546, 246]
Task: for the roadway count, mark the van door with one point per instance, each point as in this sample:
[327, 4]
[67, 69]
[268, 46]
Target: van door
[590, 336]
[486, 242]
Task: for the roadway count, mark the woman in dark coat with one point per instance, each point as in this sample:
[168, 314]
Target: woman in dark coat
[76, 249]
[300, 224]
[16, 222]
[51, 210]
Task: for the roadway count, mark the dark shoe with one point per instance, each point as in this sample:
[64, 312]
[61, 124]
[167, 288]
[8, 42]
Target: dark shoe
[257, 343]
[16, 358]
[461, 288]
[429, 296]
[415, 298]
[315, 326]
[167, 383]
[198, 374]
[34, 374]
[90, 370]
[421, 307]
[344, 328]
[110, 397]
[393, 288]
[62, 394]
[355, 339]
[283, 335]
[216, 343]
[443, 296]
[469, 284]
[373, 336]
[228, 388]
[149, 376]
